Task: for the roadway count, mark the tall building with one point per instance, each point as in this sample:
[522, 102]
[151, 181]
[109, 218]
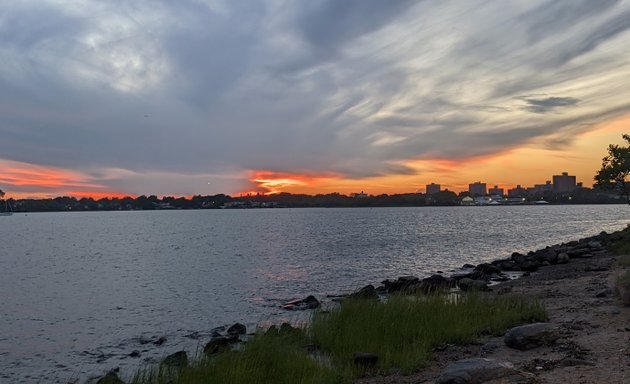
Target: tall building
[433, 188]
[563, 183]
[477, 189]
[496, 191]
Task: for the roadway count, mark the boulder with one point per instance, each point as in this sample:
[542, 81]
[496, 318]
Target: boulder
[310, 302]
[487, 269]
[237, 329]
[110, 378]
[367, 292]
[563, 258]
[403, 283]
[531, 336]
[365, 359]
[529, 266]
[467, 284]
[161, 340]
[435, 283]
[219, 344]
[134, 353]
[177, 359]
[475, 371]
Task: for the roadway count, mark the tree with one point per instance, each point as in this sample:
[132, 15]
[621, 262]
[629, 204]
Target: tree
[616, 169]
[1, 194]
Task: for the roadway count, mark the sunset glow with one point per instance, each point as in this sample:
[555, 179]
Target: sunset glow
[301, 97]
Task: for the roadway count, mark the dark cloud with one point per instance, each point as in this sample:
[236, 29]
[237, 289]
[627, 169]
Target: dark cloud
[158, 94]
[548, 104]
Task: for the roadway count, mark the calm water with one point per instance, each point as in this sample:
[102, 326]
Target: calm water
[79, 291]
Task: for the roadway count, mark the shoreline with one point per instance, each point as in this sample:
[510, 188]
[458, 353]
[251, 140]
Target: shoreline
[564, 277]
[579, 296]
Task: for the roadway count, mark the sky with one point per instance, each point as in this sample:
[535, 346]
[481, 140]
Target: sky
[113, 98]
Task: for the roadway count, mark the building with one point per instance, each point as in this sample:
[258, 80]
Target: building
[542, 188]
[433, 188]
[517, 191]
[563, 183]
[477, 189]
[496, 191]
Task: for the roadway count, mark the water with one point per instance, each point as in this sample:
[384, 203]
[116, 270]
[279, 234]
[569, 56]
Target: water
[80, 291]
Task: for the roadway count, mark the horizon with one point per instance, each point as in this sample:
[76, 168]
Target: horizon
[209, 97]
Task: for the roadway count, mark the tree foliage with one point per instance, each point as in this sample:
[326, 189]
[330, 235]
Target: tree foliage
[1, 193]
[616, 169]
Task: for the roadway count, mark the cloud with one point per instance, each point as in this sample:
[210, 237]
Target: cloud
[172, 94]
[548, 104]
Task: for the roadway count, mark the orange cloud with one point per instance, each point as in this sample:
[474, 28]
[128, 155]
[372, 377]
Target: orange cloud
[270, 182]
[24, 180]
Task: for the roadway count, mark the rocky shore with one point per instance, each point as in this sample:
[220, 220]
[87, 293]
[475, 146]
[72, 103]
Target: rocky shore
[586, 339]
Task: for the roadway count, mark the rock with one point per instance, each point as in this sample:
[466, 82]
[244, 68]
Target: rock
[435, 283]
[367, 292]
[508, 265]
[467, 284]
[110, 378]
[529, 266]
[161, 340]
[403, 283]
[134, 353]
[603, 293]
[468, 266]
[563, 258]
[475, 370]
[530, 336]
[518, 258]
[487, 269]
[237, 329]
[365, 359]
[595, 244]
[219, 344]
[287, 328]
[310, 302]
[177, 359]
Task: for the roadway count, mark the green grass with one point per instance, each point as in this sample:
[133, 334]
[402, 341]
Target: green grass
[402, 332]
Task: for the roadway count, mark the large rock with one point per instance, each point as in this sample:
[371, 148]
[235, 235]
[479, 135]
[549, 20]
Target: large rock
[435, 283]
[531, 336]
[403, 283]
[237, 329]
[563, 258]
[110, 378]
[219, 344]
[177, 359]
[367, 292]
[467, 284]
[487, 269]
[310, 302]
[474, 371]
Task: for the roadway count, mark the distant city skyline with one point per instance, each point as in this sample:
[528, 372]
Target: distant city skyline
[200, 97]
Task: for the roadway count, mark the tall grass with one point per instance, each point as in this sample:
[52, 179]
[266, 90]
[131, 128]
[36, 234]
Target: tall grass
[402, 331]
